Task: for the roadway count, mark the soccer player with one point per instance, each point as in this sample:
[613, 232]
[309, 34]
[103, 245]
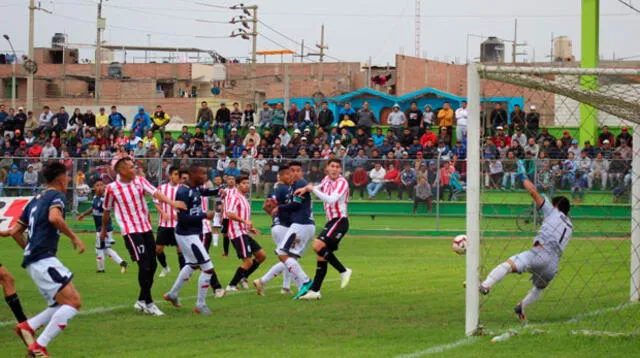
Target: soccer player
[217, 219]
[126, 196]
[281, 221]
[230, 188]
[334, 192]
[10, 295]
[542, 260]
[188, 232]
[167, 222]
[238, 211]
[300, 232]
[44, 219]
[102, 246]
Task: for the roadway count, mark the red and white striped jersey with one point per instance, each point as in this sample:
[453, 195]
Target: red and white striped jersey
[206, 224]
[170, 192]
[128, 202]
[240, 206]
[225, 201]
[335, 195]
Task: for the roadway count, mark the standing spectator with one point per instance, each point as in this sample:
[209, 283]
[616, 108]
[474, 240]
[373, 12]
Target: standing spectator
[407, 181]
[462, 116]
[116, 120]
[59, 120]
[498, 117]
[160, 120]
[605, 135]
[223, 116]
[519, 137]
[292, 116]
[9, 123]
[32, 123]
[397, 120]
[30, 179]
[307, 118]
[3, 113]
[517, 119]
[45, 121]
[377, 175]
[102, 118]
[623, 136]
[325, 117]
[21, 119]
[89, 118]
[14, 179]
[428, 117]
[414, 119]
[236, 114]
[533, 122]
[422, 195]
[248, 115]
[144, 120]
[445, 117]
[347, 111]
[204, 118]
[278, 118]
[495, 176]
[599, 170]
[265, 116]
[365, 119]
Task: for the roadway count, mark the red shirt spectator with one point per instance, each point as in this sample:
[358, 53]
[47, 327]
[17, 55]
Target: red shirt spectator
[428, 136]
[445, 173]
[35, 150]
[392, 176]
[360, 177]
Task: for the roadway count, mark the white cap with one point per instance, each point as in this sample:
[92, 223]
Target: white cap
[532, 107]
[20, 108]
[303, 138]
[396, 105]
[499, 127]
[307, 130]
[606, 141]
[297, 131]
[252, 127]
[234, 129]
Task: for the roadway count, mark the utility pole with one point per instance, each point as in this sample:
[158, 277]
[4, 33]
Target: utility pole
[302, 55]
[100, 25]
[32, 10]
[13, 71]
[418, 30]
[516, 44]
[253, 12]
[322, 45]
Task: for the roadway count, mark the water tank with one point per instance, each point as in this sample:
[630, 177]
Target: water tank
[492, 50]
[562, 49]
[114, 70]
[58, 40]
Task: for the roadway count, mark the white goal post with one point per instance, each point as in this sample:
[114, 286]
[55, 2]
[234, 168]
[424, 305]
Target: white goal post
[619, 104]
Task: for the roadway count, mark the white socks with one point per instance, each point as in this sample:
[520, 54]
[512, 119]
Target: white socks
[100, 259]
[183, 277]
[286, 280]
[203, 287]
[215, 240]
[532, 296]
[273, 272]
[297, 273]
[113, 255]
[58, 322]
[497, 274]
[42, 318]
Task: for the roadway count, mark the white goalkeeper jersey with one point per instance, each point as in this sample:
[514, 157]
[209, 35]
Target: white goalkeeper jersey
[556, 230]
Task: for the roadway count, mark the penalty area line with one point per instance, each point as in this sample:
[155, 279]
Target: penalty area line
[99, 310]
[471, 340]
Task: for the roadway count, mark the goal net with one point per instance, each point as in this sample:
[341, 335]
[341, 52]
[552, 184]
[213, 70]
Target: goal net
[574, 132]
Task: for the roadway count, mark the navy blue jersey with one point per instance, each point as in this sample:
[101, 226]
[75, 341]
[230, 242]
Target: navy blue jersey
[190, 220]
[43, 237]
[282, 194]
[300, 207]
[98, 209]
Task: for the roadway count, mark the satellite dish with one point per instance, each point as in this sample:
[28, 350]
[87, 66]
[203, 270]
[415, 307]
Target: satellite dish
[30, 66]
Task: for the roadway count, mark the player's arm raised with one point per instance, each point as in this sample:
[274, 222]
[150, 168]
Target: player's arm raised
[57, 220]
[529, 186]
[178, 205]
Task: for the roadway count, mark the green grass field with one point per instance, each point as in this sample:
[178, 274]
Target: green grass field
[405, 298]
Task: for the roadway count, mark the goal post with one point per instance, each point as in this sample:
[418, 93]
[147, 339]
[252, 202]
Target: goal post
[599, 272]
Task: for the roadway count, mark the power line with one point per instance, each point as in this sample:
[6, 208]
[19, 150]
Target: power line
[298, 43]
[629, 6]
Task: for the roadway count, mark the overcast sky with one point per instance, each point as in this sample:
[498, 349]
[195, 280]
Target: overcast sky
[353, 32]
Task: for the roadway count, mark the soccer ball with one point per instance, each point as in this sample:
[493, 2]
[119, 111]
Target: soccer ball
[459, 245]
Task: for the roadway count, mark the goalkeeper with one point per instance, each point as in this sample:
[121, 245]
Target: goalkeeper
[282, 193]
[542, 260]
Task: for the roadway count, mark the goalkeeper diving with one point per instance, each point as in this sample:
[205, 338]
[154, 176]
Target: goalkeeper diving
[549, 244]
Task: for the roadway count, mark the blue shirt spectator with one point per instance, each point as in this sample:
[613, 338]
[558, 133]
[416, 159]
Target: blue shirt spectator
[116, 119]
[14, 178]
[232, 170]
[145, 119]
[460, 149]
[347, 111]
[378, 139]
[237, 150]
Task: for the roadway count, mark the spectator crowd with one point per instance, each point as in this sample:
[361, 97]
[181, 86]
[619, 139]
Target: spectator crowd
[406, 160]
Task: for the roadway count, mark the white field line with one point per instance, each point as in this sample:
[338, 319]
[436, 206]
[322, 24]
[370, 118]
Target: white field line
[99, 310]
[469, 340]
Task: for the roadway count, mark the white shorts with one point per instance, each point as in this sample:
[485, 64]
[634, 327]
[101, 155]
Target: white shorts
[278, 234]
[50, 276]
[296, 240]
[194, 252]
[217, 220]
[108, 241]
[542, 264]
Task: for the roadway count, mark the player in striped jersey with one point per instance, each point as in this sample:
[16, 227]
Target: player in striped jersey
[334, 192]
[238, 211]
[102, 247]
[167, 220]
[217, 219]
[230, 180]
[126, 197]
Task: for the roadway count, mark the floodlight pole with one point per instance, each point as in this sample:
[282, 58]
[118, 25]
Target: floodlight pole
[13, 72]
